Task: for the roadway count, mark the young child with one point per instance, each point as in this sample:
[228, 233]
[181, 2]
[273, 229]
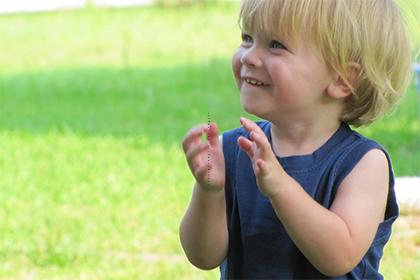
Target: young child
[300, 194]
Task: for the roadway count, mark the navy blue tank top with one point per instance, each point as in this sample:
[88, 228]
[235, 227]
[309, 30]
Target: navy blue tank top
[259, 246]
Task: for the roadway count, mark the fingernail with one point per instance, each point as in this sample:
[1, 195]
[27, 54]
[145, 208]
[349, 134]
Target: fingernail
[241, 120]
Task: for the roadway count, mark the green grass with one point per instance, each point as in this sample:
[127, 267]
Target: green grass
[85, 204]
[93, 106]
[146, 37]
[399, 134]
[402, 254]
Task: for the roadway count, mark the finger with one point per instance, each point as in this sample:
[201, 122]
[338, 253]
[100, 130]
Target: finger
[246, 145]
[255, 132]
[213, 135]
[250, 125]
[262, 143]
[193, 136]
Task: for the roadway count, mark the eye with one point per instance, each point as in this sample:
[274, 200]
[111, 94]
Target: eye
[247, 38]
[274, 44]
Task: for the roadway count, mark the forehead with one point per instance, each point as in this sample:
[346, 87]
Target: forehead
[275, 18]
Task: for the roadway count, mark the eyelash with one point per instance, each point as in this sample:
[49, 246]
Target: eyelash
[274, 44]
[246, 38]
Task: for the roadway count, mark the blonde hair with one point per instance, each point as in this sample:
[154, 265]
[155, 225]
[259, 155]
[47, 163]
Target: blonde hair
[368, 32]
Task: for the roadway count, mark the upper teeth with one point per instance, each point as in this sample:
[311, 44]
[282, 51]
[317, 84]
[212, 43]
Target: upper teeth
[253, 82]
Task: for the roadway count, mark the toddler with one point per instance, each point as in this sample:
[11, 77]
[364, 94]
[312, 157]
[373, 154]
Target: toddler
[300, 194]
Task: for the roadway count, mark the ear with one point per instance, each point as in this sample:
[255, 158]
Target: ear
[339, 88]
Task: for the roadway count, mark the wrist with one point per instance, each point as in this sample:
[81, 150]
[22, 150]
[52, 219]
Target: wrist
[273, 182]
[285, 191]
[281, 182]
[208, 190]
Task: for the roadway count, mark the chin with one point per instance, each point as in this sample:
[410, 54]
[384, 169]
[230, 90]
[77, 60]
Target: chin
[252, 109]
[249, 105]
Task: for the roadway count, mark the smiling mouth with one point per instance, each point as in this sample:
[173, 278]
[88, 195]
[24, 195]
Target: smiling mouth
[253, 82]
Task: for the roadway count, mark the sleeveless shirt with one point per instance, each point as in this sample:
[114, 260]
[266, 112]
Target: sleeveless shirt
[259, 246]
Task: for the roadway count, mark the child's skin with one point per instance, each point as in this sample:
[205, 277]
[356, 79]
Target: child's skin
[204, 227]
[303, 100]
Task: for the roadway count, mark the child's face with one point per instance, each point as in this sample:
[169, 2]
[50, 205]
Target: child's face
[278, 78]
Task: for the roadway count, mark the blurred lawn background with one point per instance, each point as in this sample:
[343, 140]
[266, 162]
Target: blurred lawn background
[93, 106]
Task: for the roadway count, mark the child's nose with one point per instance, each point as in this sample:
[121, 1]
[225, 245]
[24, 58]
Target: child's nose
[251, 58]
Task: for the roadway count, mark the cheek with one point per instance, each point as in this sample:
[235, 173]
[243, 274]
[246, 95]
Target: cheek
[286, 86]
[236, 66]
[280, 78]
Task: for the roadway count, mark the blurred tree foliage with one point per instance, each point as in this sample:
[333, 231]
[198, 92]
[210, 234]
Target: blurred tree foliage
[411, 11]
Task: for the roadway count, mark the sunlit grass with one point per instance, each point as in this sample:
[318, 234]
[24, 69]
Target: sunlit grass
[402, 255]
[145, 37]
[76, 203]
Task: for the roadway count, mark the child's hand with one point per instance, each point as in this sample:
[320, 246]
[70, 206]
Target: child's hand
[266, 167]
[205, 160]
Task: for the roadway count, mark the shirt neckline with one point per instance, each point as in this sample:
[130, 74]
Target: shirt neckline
[299, 162]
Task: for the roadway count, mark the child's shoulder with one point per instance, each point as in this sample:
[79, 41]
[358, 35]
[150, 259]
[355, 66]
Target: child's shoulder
[352, 149]
[366, 141]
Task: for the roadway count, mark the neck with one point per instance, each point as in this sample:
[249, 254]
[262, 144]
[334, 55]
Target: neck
[301, 137]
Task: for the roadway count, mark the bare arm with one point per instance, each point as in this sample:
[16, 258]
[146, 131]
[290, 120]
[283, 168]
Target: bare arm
[333, 240]
[203, 230]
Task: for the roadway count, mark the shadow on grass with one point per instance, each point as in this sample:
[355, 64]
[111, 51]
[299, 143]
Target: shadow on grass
[160, 104]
